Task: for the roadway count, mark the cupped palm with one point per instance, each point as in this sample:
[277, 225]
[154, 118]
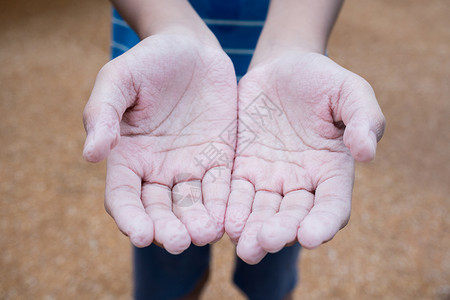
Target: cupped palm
[158, 113]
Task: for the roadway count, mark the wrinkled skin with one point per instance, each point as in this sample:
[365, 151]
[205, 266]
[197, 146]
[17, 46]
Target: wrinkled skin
[293, 171]
[153, 112]
[157, 111]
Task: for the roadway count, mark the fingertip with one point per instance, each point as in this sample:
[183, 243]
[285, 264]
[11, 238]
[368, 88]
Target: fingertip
[141, 232]
[308, 240]
[175, 252]
[364, 151]
[219, 224]
[361, 143]
[94, 157]
[89, 152]
[99, 144]
[371, 147]
[233, 239]
[251, 253]
[140, 241]
[271, 238]
[239, 207]
[202, 233]
[216, 212]
[202, 228]
[233, 235]
[218, 237]
[313, 234]
[179, 246]
[235, 221]
[88, 148]
[172, 235]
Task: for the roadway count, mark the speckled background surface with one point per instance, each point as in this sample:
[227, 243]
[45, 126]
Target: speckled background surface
[57, 242]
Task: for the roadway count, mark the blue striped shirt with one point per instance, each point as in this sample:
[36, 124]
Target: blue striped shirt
[237, 25]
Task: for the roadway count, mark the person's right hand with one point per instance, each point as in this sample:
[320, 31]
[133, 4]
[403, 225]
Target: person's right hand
[157, 113]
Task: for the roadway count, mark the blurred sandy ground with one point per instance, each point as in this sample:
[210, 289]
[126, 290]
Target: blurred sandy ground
[57, 242]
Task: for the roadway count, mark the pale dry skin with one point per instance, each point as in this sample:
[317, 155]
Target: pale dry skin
[157, 108]
[294, 182]
[174, 96]
[54, 227]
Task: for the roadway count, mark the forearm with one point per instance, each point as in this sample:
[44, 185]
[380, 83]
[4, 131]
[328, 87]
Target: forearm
[148, 17]
[303, 25]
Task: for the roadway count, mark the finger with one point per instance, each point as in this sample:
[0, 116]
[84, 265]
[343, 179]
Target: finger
[265, 205]
[238, 208]
[330, 213]
[359, 110]
[112, 94]
[282, 228]
[123, 203]
[215, 190]
[188, 207]
[170, 233]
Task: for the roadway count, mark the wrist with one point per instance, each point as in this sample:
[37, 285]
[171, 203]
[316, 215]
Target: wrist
[182, 20]
[296, 25]
[268, 52]
[206, 38]
[150, 17]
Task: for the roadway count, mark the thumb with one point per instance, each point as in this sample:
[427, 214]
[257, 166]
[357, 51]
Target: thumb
[112, 94]
[359, 110]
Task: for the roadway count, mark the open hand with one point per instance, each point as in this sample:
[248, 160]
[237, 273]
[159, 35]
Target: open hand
[157, 113]
[302, 120]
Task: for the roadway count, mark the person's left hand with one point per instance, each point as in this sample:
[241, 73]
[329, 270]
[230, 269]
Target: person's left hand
[293, 172]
